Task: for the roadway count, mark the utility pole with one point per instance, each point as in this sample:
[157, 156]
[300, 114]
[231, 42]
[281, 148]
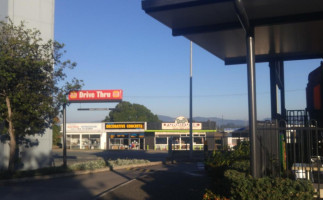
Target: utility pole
[191, 104]
[64, 135]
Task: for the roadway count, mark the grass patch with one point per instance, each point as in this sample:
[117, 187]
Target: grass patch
[82, 166]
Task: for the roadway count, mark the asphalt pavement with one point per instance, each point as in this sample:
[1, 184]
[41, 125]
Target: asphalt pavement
[180, 181]
[172, 181]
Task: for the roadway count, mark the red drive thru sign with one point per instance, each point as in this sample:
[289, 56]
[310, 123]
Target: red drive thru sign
[95, 96]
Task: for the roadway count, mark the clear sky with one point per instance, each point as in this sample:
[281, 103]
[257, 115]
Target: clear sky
[118, 46]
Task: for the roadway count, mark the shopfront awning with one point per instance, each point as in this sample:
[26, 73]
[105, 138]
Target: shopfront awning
[283, 29]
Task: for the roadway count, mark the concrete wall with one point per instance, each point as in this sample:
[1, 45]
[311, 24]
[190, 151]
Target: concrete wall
[38, 14]
[34, 152]
[37, 153]
[4, 155]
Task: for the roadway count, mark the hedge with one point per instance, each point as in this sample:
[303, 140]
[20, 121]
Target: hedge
[230, 172]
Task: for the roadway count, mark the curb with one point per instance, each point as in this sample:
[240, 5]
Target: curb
[76, 173]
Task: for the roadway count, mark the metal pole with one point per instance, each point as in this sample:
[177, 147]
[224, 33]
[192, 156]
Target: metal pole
[64, 136]
[252, 102]
[191, 103]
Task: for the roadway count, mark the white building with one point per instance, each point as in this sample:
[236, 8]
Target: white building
[85, 136]
[36, 14]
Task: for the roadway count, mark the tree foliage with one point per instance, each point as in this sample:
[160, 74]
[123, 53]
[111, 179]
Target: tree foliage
[127, 112]
[56, 132]
[29, 94]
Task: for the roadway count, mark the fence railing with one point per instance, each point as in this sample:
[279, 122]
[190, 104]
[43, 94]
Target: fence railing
[290, 149]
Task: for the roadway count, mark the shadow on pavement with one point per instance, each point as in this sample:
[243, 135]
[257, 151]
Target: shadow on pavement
[176, 182]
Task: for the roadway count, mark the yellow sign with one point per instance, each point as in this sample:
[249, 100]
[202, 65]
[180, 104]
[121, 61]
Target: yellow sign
[112, 125]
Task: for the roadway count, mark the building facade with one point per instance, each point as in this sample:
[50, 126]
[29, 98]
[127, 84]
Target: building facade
[140, 135]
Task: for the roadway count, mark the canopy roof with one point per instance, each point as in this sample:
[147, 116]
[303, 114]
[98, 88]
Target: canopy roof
[283, 29]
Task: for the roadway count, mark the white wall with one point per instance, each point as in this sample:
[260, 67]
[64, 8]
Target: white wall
[38, 14]
[4, 155]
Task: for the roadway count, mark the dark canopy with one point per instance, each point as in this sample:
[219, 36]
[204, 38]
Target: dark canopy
[283, 29]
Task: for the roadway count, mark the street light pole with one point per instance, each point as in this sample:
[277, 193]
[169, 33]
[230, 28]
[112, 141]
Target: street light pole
[64, 135]
[191, 103]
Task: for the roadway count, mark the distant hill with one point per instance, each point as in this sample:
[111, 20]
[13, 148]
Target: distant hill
[166, 118]
[219, 121]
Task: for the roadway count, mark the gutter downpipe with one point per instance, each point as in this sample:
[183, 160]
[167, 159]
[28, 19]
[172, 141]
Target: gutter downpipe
[250, 44]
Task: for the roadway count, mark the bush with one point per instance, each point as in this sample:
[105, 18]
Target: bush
[123, 162]
[241, 165]
[89, 165]
[209, 195]
[245, 187]
[230, 171]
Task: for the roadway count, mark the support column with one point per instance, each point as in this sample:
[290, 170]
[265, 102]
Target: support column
[250, 43]
[191, 103]
[252, 103]
[277, 82]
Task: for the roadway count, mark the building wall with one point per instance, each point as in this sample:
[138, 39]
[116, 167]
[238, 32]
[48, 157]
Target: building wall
[36, 153]
[149, 141]
[38, 14]
[4, 155]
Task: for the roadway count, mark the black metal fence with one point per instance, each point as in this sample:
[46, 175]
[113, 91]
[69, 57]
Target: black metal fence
[293, 149]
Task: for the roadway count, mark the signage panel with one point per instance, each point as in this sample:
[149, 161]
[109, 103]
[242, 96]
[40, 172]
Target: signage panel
[181, 123]
[83, 127]
[95, 96]
[112, 125]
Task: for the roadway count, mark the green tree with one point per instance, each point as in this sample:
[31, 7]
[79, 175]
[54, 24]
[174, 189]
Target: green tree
[56, 131]
[29, 94]
[106, 119]
[127, 112]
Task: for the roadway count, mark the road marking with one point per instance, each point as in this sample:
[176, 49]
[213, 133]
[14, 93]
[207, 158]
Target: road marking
[112, 189]
[194, 174]
[141, 170]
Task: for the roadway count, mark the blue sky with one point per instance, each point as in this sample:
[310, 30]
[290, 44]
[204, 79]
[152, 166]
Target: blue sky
[118, 46]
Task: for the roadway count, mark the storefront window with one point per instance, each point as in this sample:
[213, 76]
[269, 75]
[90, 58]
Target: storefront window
[119, 141]
[95, 141]
[134, 144]
[133, 141]
[185, 143]
[68, 142]
[161, 140]
[198, 140]
[75, 142]
[85, 141]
